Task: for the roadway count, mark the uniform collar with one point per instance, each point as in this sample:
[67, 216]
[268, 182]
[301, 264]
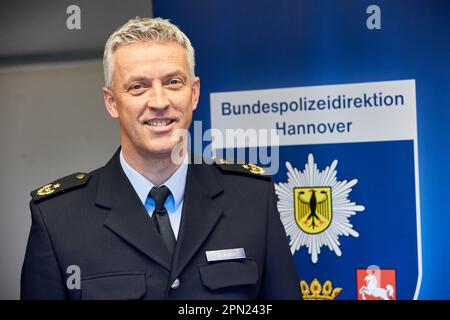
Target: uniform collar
[202, 209]
[176, 182]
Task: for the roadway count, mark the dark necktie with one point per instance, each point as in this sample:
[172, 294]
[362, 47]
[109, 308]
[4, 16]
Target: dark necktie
[160, 216]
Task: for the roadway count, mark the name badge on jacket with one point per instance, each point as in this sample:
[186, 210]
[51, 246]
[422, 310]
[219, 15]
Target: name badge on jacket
[226, 254]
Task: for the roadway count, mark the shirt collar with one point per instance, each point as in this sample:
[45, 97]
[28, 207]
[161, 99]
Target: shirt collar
[176, 182]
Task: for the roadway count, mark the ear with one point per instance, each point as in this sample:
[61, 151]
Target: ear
[195, 92]
[110, 102]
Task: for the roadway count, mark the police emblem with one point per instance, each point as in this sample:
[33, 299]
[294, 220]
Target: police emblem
[315, 208]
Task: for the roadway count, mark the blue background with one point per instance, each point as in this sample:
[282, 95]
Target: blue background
[387, 226]
[258, 44]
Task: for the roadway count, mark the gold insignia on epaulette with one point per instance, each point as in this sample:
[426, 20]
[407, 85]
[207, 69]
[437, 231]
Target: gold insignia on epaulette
[222, 161]
[48, 189]
[80, 176]
[253, 168]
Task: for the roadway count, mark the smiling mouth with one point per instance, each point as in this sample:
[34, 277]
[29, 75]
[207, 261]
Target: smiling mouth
[158, 122]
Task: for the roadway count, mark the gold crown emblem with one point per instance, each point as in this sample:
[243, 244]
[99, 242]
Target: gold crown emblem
[316, 291]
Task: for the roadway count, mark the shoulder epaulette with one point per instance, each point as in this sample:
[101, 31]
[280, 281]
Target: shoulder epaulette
[59, 186]
[246, 168]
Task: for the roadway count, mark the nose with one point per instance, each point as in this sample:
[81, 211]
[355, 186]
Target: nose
[158, 98]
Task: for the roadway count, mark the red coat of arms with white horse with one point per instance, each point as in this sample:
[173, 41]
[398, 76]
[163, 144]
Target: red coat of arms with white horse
[374, 283]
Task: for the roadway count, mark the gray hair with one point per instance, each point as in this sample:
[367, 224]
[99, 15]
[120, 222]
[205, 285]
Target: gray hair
[145, 29]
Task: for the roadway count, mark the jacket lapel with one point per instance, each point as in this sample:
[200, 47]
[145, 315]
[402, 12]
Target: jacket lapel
[128, 217]
[201, 212]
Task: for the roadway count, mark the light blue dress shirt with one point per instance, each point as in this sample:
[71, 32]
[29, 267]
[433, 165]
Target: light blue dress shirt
[176, 184]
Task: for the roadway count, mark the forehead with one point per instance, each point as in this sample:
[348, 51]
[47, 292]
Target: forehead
[150, 56]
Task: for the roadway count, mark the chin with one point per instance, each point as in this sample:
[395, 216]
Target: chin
[162, 150]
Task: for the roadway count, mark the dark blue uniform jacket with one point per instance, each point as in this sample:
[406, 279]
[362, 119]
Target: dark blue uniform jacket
[100, 225]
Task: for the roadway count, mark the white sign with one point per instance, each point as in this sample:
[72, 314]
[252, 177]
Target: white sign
[360, 112]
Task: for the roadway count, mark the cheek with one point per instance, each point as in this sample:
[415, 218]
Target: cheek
[131, 107]
[185, 103]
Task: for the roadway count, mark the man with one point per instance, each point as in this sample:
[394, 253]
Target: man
[145, 226]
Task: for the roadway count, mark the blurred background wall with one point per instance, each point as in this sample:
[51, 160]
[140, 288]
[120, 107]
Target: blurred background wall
[53, 121]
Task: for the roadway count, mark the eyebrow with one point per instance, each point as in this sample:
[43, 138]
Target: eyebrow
[176, 73]
[135, 78]
[144, 78]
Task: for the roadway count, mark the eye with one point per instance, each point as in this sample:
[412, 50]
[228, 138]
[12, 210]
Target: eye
[136, 88]
[175, 83]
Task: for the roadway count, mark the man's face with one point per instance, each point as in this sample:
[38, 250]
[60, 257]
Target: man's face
[152, 95]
